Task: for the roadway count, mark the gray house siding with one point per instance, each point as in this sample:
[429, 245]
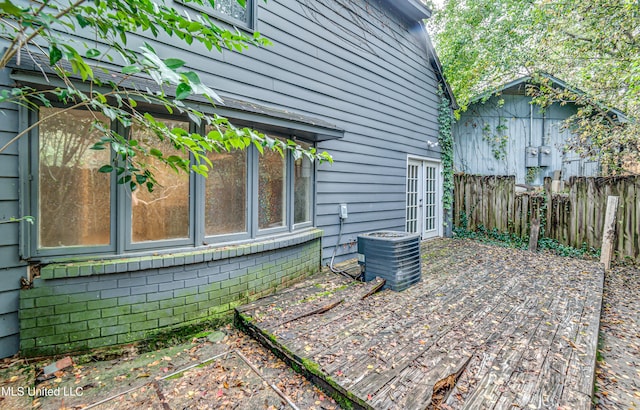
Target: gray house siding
[11, 268]
[526, 126]
[369, 76]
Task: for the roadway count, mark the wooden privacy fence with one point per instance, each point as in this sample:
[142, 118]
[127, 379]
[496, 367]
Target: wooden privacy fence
[574, 217]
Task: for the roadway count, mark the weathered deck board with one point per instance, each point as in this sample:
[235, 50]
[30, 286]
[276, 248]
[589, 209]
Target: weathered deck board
[486, 327]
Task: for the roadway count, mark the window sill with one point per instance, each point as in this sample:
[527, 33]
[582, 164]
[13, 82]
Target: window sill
[62, 269]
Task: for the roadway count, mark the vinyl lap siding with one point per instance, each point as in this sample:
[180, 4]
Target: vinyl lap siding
[11, 269]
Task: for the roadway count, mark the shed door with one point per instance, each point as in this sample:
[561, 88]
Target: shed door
[424, 212]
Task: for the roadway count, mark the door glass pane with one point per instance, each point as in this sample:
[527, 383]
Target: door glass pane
[430, 206]
[303, 191]
[412, 198]
[226, 194]
[271, 190]
[74, 204]
[163, 213]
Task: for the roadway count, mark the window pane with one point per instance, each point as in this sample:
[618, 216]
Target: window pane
[74, 204]
[163, 213]
[271, 190]
[303, 169]
[226, 193]
[233, 9]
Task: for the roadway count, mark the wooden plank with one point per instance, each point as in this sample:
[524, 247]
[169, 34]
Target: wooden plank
[533, 236]
[581, 374]
[609, 232]
[498, 333]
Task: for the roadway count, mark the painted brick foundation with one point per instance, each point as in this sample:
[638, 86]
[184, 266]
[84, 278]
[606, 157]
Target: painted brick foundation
[75, 312]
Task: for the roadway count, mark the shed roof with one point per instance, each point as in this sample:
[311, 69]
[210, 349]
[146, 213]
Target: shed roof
[518, 87]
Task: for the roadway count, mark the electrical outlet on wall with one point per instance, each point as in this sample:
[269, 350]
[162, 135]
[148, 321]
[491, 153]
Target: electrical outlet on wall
[343, 211]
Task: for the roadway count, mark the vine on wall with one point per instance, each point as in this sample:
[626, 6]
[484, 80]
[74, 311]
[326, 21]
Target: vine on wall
[497, 139]
[445, 140]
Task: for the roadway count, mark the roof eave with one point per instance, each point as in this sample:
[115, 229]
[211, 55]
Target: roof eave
[411, 9]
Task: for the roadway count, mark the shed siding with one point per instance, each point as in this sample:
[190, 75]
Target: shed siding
[525, 127]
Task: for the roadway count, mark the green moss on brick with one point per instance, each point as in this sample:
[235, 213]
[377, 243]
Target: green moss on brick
[116, 311]
[102, 341]
[52, 300]
[146, 325]
[86, 315]
[81, 320]
[145, 307]
[160, 313]
[38, 332]
[71, 307]
[52, 340]
[168, 321]
[181, 293]
[214, 310]
[28, 323]
[102, 303]
[194, 299]
[137, 317]
[105, 321]
[53, 320]
[85, 334]
[131, 337]
[185, 309]
[114, 330]
[27, 343]
[173, 302]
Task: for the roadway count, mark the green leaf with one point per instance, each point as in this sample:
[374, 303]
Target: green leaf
[92, 52]
[10, 8]
[131, 69]
[183, 91]
[82, 21]
[105, 169]
[192, 77]
[174, 63]
[54, 54]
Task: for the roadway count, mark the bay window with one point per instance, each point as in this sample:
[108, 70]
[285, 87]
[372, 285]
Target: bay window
[74, 200]
[303, 189]
[163, 213]
[79, 210]
[272, 177]
[226, 194]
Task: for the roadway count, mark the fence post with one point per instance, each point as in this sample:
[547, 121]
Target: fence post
[609, 231]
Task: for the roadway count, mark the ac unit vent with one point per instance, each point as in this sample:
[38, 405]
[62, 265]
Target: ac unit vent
[390, 255]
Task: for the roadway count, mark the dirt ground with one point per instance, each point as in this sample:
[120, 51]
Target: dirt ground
[226, 370]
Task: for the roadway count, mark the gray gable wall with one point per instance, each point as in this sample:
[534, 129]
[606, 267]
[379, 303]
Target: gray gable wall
[362, 68]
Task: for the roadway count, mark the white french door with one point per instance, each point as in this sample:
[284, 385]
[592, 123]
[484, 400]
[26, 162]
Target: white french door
[424, 198]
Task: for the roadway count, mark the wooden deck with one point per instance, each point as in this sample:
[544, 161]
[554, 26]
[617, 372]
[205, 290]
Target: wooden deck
[486, 328]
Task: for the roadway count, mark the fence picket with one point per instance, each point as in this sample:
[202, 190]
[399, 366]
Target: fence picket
[572, 218]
